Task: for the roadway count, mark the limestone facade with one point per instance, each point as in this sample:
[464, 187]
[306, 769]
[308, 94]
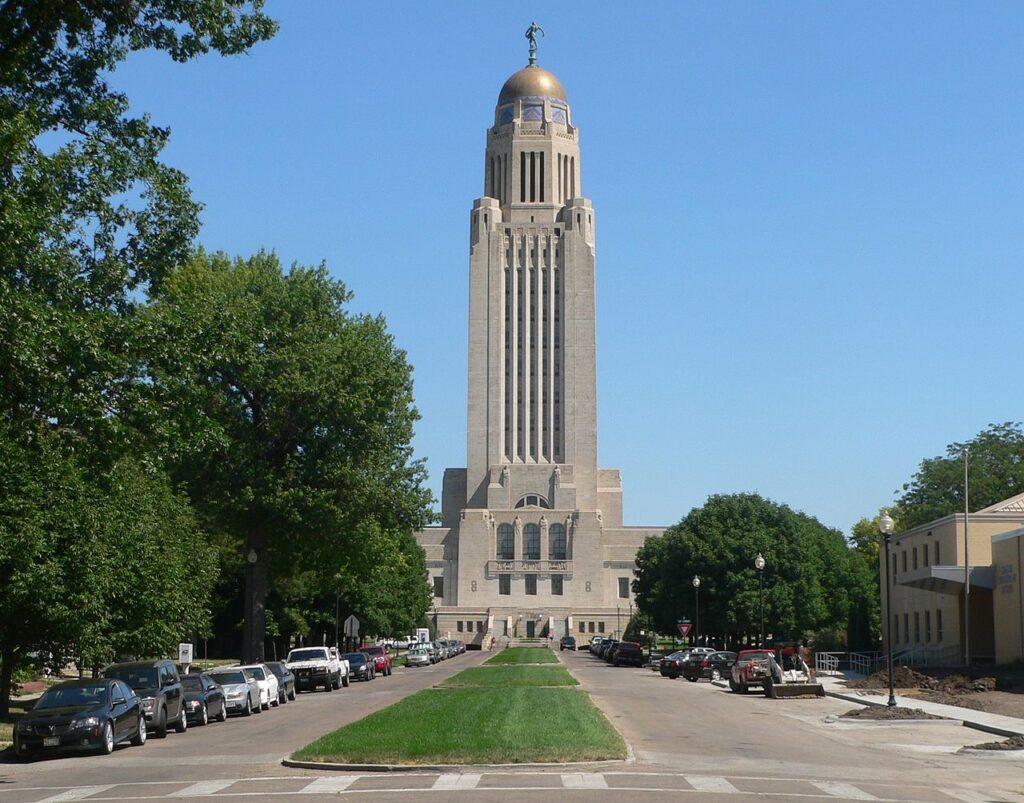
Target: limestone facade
[531, 541]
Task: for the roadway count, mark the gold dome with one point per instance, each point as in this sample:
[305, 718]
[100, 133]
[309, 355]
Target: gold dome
[531, 82]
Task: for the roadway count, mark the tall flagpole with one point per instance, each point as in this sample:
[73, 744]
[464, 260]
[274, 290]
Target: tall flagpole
[967, 568]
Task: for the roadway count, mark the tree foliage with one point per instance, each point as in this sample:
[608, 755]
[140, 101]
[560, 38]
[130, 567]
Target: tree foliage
[90, 219]
[291, 421]
[995, 472]
[812, 581]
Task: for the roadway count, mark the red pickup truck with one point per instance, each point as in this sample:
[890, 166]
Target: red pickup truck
[380, 656]
[750, 669]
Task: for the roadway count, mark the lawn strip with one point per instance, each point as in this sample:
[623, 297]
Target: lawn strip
[475, 726]
[524, 655]
[516, 675]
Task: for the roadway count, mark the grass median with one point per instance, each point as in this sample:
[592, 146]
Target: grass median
[505, 676]
[524, 655]
[475, 726]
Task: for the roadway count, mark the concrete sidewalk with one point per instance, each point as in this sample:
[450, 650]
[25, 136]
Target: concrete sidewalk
[990, 723]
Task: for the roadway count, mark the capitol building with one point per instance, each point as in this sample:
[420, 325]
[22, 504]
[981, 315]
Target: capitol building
[531, 541]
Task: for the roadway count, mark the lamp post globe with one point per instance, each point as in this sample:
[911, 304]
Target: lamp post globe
[885, 526]
[759, 565]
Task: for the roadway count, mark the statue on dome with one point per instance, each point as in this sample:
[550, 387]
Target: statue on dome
[531, 35]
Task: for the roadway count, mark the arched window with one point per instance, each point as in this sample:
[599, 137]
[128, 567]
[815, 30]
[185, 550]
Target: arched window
[557, 548]
[533, 500]
[506, 542]
[531, 542]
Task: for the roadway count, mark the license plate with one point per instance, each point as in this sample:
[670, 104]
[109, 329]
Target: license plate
[51, 741]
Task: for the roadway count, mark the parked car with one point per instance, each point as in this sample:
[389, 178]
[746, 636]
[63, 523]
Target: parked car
[671, 666]
[419, 656]
[285, 680]
[381, 658]
[204, 699]
[607, 648]
[241, 692]
[567, 643]
[157, 685]
[314, 667]
[361, 666]
[692, 658]
[713, 667]
[267, 682]
[750, 669]
[594, 642]
[81, 715]
[628, 653]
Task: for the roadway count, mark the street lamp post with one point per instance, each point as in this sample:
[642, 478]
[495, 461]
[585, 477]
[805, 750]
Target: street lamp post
[696, 600]
[885, 524]
[967, 568]
[759, 565]
[250, 603]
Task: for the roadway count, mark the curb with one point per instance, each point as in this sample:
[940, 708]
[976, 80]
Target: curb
[429, 768]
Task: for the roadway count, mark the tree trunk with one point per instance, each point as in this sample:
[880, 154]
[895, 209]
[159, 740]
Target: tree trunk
[254, 632]
[6, 673]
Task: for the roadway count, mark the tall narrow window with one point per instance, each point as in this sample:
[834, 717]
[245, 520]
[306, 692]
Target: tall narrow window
[917, 627]
[542, 176]
[506, 542]
[938, 623]
[531, 584]
[895, 628]
[906, 628]
[522, 176]
[623, 587]
[937, 562]
[914, 558]
[531, 542]
[556, 585]
[556, 542]
[533, 177]
[927, 627]
[505, 585]
[924, 554]
[438, 586]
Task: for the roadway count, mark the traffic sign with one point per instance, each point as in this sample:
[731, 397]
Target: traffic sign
[352, 627]
[684, 628]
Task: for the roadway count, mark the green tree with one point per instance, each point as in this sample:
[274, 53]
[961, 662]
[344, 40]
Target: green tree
[995, 472]
[813, 582]
[291, 419]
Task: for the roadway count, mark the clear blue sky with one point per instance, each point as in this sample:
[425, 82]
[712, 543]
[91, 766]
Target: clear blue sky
[810, 217]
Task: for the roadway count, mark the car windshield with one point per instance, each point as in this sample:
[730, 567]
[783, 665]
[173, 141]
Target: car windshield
[419, 650]
[373, 650]
[226, 678]
[95, 694]
[355, 658]
[307, 655]
[277, 668]
[256, 672]
[138, 677]
[192, 683]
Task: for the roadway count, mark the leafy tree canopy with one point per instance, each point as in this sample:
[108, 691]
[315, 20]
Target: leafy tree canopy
[995, 472]
[290, 421]
[812, 580]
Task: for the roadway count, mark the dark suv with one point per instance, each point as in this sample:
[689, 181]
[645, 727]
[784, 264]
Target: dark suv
[157, 684]
[628, 653]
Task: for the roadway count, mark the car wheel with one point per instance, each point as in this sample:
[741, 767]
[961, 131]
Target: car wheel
[282, 697]
[291, 694]
[222, 715]
[389, 670]
[140, 735]
[344, 681]
[691, 678]
[204, 715]
[161, 724]
[107, 739]
[734, 686]
[716, 675]
[182, 724]
[248, 706]
[275, 702]
[328, 685]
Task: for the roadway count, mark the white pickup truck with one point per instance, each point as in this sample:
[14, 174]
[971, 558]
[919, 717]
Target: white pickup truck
[314, 667]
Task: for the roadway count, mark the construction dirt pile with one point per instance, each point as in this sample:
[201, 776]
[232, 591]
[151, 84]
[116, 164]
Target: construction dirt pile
[884, 712]
[1013, 743]
[903, 677]
[991, 689]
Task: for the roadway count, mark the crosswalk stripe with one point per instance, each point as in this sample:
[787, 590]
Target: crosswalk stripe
[838, 789]
[201, 788]
[78, 793]
[452, 780]
[710, 783]
[336, 783]
[579, 780]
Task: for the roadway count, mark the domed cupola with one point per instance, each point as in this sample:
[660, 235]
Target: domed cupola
[532, 82]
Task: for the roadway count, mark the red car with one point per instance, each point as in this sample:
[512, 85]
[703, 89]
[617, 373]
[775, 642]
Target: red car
[381, 658]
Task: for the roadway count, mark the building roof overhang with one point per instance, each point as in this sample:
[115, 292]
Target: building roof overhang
[950, 579]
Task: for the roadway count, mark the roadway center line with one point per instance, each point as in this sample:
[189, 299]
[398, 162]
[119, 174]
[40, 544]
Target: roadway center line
[711, 783]
[579, 780]
[838, 789]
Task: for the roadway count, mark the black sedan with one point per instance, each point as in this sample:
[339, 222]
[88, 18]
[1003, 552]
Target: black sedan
[204, 699]
[92, 715]
[671, 666]
[361, 666]
[716, 666]
[285, 680]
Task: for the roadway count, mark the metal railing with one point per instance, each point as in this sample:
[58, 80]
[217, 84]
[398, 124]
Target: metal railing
[837, 663]
[541, 567]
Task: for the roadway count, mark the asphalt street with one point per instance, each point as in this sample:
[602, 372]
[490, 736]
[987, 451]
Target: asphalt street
[692, 741]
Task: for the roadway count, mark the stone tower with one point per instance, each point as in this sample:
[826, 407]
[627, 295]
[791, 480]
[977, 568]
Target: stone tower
[532, 534]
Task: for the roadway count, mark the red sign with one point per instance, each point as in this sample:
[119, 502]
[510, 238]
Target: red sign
[684, 629]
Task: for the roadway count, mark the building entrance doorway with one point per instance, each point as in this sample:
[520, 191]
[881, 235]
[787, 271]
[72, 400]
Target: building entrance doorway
[531, 629]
